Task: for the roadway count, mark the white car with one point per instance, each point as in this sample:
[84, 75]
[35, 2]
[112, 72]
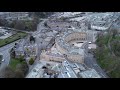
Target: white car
[3, 60]
[90, 42]
[89, 48]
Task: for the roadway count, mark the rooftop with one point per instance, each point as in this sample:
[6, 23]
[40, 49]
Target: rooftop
[91, 73]
[38, 71]
[71, 49]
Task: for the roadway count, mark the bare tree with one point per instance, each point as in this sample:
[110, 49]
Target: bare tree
[20, 25]
[114, 32]
[19, 74]
[7, 72]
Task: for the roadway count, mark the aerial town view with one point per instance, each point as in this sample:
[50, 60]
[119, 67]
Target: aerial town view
[59, 44]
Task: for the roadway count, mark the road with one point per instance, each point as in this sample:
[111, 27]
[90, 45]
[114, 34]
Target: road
[36, 34]
[5, 49]
[39, 28]
[6, 55]
[90, 61]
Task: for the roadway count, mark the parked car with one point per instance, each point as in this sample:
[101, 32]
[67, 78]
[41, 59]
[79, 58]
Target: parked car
[90, 42]
[8, 28]
[3, 60]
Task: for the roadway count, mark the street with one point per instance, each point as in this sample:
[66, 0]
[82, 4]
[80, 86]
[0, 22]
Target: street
[36, 34]
[6, 55]
[90, 61]
[5, 49]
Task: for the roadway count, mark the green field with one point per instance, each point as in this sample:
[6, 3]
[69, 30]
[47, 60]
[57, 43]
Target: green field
[12, 38]
[14, 62]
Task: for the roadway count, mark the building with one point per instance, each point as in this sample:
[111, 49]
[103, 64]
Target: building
[102, 21]
[19, 51]
[79, 70]
[52, 55]
[13, 15]
[31, 50]
[91, 73]
[66, 69]
[43, 69]
[72, 52]
[36, 72]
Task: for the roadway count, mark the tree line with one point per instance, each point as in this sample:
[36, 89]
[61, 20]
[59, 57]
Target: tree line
[108, 52]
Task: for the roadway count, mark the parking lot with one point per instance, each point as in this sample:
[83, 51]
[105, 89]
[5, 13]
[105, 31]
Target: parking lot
[5, 33]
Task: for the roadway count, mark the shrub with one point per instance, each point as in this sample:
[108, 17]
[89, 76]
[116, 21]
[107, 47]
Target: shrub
[21, 58]
[31, 61]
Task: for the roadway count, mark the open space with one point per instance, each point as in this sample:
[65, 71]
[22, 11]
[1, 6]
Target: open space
[13, 63]
[76, 43]
[12, 38]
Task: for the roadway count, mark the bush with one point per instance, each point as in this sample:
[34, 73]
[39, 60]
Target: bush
[6, 41]
[1, 57]
[31, 61]
[32, 39]
[19, 74]
[21, 58]
[23, 67]
[7, 72]
[19, 25]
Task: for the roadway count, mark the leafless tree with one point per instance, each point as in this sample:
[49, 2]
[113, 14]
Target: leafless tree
[7, 72]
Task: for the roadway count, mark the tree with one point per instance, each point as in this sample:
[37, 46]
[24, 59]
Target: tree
[16, 44]
[89, 25]
[3, 22]
[12, 53]
[32, 39]
[31, 61]
[19, 74]
[99, 36]
[42, 14]
[19, 25]
[7, 72]
[12, 24]
[22, 68]
[45, 24]
[21, 58]
[1, 57]
[115, 45]
[114, 32]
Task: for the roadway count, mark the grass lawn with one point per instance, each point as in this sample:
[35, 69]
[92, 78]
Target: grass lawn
[13, 63]
[12, 38]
